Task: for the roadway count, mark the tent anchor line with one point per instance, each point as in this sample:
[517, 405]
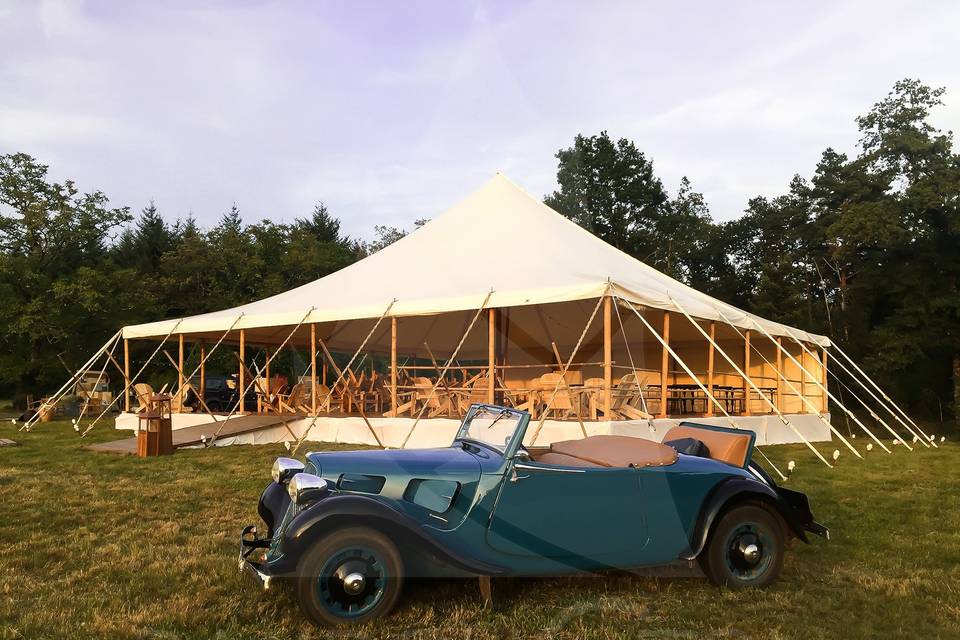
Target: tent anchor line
[446, 367]
[56, 397]
[633, 367]
[817, 382]
[703, 387]
[563, 372]
[132, 381]
[243, 392]
[866, 406]
[340, 376]
[797, 392]
[905, 425]
[750, 382]
[882, 393]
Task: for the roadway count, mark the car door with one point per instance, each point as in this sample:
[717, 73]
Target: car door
[569, 512]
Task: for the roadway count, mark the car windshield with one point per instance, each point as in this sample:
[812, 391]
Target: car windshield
[491, 426]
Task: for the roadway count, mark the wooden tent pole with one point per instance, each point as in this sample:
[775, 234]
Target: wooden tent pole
[607, 358]
[780, 403]
[664, 365]
[241, 377]
[450, 361]
[313, 368]
[126, 374]
[566, 367]
[710, 363]
[246, 387]
[395, 402]
[180, 366]
[202, 391]
[823, 378]
[134, 379]
[266, 374]
[746, 367]
[326, 400]
[491, 355]
[809, 405]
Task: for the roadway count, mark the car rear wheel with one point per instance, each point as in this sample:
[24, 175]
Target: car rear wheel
[349, 576]
[745, 549]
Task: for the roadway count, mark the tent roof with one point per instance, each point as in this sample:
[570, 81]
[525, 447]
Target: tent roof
[498, 239]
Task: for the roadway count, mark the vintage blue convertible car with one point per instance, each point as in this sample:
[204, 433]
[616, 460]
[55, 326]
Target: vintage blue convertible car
[347, 527]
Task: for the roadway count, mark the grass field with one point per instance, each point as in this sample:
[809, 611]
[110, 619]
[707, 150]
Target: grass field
[99, 545]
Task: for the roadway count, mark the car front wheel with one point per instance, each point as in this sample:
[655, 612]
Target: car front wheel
[349, 576]
[745, 549]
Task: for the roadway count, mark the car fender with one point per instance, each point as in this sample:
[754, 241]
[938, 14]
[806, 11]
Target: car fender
[274, 502]
[738, 489]
[337, 511]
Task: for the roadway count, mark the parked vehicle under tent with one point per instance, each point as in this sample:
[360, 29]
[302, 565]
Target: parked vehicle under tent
[502, 300]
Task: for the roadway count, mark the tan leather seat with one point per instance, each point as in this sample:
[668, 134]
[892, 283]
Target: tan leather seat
[563, 460]
[725, 447]
[617, 451]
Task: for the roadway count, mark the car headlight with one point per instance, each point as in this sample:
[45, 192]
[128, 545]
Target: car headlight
[284, 469]
[306, 487]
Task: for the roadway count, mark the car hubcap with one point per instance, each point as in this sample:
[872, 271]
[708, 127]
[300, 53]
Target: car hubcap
[352, 582]
[749, 548]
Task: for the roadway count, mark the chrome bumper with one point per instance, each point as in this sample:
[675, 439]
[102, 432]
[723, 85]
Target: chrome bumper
[249, 542]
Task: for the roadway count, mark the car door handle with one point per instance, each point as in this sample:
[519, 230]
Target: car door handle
[516, 478]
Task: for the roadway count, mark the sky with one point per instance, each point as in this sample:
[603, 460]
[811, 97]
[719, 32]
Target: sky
[393, 111]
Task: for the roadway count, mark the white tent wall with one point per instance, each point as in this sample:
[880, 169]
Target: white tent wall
[439, 432]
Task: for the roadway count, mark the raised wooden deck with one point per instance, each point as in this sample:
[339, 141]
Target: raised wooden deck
[192, 436]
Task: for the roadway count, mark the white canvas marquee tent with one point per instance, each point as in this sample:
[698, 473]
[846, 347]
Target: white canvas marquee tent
[539, 276]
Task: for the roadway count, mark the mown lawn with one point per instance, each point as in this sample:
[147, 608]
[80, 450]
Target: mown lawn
[100, 545]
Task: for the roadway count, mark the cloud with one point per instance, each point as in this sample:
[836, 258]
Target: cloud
[394, 112]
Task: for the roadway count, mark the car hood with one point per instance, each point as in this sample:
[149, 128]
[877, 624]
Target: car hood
[451, 463]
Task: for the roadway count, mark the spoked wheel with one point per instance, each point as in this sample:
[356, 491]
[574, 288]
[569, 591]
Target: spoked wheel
[352, 575]
[745, 549]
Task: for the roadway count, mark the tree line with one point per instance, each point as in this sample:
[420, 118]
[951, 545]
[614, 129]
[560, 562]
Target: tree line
[866, 249]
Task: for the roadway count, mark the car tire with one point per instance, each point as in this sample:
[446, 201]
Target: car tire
[745, 549]
[327, 585]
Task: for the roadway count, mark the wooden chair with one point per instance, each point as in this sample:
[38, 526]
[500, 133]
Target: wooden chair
[475, 391]
[295, 401]
[627, 394]
[144, 393]
[374, 395]
[178, 401]
[565, 400]
[592, 395]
